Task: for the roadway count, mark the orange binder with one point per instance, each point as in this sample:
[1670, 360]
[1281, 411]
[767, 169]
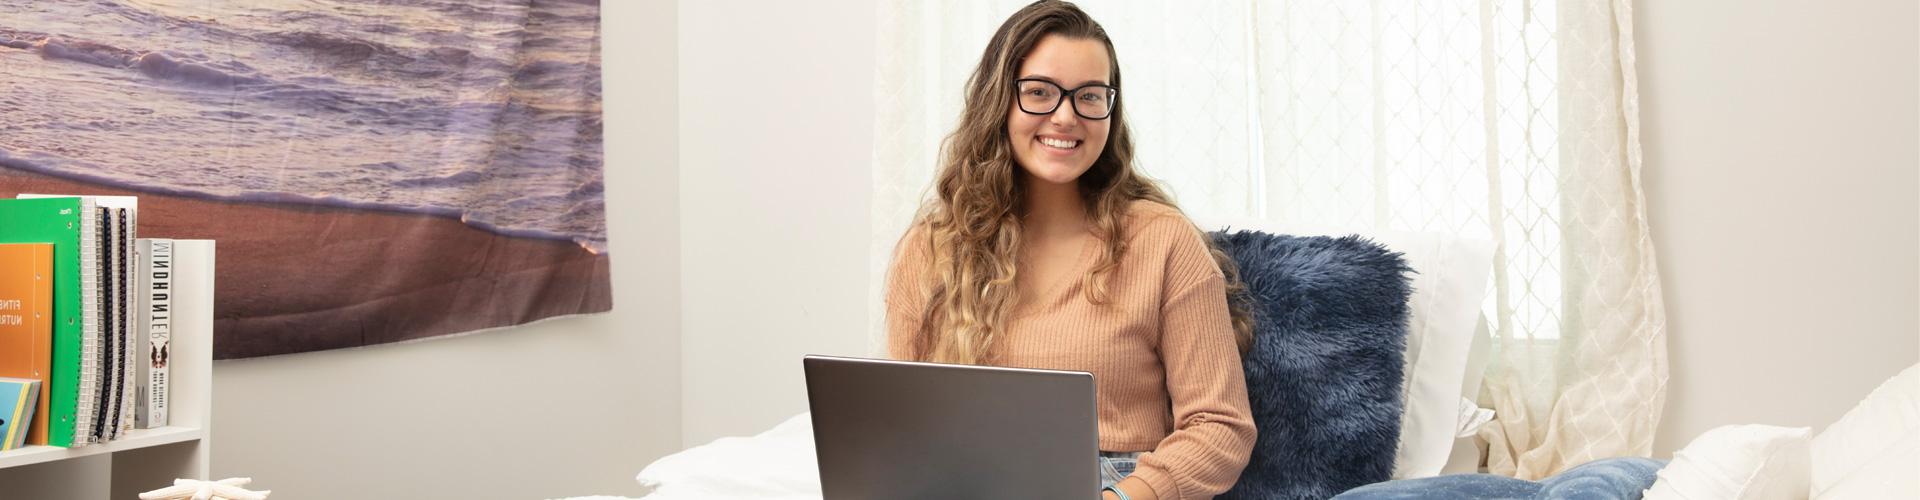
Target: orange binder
[26, 322]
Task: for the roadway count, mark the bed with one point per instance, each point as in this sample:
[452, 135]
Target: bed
[1869, 453]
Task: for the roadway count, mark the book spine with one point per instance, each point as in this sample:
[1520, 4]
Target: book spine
[157, 320]
[17, 399]
[130, 401]
[143, 323]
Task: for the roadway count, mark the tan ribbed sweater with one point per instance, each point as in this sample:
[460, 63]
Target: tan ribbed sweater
[1161, 351]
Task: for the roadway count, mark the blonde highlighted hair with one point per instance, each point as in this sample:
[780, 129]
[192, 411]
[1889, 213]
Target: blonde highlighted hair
[972, 229]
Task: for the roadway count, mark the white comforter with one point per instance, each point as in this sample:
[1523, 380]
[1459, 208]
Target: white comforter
[778, 464]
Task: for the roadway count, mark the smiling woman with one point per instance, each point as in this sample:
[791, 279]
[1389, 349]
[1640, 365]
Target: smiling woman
[1510, 121]
[1045, 249]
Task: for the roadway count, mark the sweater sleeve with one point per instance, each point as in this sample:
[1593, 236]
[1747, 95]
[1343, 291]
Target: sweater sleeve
[906, 292]
[1213, 431]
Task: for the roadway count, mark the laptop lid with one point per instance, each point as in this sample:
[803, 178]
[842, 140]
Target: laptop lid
[887, 429]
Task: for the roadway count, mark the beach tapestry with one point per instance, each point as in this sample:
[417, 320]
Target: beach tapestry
[374, 171]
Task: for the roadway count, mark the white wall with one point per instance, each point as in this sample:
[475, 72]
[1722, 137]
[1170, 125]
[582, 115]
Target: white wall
[598, 397]
[737, 165]
[1782, 150]
[776, 120]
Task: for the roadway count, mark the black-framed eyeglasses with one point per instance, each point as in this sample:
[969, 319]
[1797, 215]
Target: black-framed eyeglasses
[1093, 101]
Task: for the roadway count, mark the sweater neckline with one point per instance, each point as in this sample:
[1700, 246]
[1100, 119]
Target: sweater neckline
[1075, 271]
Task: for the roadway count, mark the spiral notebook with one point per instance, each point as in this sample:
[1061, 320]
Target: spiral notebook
[107, 230]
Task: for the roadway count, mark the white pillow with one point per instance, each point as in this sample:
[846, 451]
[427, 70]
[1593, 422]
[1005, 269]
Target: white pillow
[1444, 309]
[1874, 450]
[1738, 462]
[778, 464]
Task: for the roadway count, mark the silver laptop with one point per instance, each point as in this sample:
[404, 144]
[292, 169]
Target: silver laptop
[896, 430]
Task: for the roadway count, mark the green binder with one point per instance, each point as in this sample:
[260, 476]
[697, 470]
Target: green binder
[56, 221]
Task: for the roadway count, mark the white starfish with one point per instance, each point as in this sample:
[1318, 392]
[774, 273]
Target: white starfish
[193, 489]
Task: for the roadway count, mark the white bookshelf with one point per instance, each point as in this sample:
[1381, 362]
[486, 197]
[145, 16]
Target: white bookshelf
[138, 439]
[145, 459]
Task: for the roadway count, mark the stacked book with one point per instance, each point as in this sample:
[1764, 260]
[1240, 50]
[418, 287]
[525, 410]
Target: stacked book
[85, 311]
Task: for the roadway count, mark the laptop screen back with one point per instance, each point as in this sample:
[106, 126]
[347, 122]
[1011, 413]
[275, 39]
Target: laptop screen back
[893, 429]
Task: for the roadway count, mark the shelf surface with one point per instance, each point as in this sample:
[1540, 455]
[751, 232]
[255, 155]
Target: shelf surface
[136, 439]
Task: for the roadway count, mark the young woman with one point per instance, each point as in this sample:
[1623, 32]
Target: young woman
[1044, 249]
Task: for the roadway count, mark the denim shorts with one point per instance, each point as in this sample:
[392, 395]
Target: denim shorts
[1116, 465]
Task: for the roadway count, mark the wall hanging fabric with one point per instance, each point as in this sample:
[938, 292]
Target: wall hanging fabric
[374, 170]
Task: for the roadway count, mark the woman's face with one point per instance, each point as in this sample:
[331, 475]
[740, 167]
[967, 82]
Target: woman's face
[1057, 147]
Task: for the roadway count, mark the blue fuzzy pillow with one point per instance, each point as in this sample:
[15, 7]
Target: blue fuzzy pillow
[1325, 370]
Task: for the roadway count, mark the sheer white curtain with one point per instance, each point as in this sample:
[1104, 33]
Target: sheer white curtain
[1514, 121]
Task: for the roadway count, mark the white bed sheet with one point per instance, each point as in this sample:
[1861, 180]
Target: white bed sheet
[778, 464]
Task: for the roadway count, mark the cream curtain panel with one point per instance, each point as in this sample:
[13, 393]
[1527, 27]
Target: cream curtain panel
[1514, 121]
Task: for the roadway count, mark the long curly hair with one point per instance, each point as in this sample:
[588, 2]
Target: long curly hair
[973, 227]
